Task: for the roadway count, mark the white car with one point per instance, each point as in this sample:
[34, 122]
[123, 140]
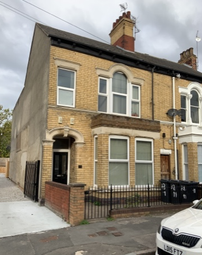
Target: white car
[181, 234]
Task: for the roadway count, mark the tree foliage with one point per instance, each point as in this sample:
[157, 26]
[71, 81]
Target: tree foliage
[5, 132]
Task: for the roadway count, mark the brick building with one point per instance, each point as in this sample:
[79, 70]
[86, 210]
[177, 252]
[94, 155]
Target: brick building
[104, 114]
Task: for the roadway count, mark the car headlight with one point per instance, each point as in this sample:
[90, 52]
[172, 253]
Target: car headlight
[159, 229]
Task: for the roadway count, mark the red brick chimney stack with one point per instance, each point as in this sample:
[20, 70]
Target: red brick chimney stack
[122, 32]
[189, 58]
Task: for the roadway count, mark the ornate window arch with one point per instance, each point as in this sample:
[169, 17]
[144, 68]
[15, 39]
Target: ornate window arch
[191, 103]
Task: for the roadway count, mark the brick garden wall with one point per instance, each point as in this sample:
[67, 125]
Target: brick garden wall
[67, 201]
[57, 199]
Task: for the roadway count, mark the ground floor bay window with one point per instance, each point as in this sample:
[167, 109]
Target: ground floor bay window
[200, 163]
[185, 163]
[143, 162]
[118, 160]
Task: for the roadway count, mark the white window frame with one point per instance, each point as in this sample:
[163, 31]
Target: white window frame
[128, 96]
[114, 93]
[120, 160]
[185, 163]
[187, 92]
[185, 109]
[195, 107]
[66, 89]
[137, 161]
[199, 160]
[136, 100]
[104, 94]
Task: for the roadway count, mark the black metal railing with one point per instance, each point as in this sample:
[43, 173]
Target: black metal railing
[100, 201]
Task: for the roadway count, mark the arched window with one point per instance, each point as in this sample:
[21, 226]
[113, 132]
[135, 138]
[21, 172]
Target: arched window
[194, 106]
[191, 107]
[119, 93]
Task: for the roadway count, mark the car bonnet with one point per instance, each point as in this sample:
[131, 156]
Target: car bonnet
[188, 220]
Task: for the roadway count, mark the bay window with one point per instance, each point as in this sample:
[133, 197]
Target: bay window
[194, 107]
[118, 160]
[200, 163]
[185, 159]
[191, 107]
[102, 95]
[183, 108]
[117, 95]
[135, 101]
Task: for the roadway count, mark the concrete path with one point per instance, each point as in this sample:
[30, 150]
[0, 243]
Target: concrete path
[28, 229]
[19, 215]
[9, 191]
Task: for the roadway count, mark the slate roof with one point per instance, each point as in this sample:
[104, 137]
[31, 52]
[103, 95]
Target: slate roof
[137, 58]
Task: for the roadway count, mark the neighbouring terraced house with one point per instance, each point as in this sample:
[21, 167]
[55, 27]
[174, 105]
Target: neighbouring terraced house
[101, 114]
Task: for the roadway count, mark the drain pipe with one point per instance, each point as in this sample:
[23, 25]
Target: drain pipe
[152, 99]
[174, 130]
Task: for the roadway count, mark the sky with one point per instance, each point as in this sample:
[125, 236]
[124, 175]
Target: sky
[166, 29]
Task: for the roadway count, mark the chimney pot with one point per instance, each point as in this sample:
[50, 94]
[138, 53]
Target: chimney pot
[187, 57]
[122, 32]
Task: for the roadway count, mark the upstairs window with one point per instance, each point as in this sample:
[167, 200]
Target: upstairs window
[102, 95]
[118, 96]
[119, 93]
[194, 107]
[135, 101]
[191, 106]
[66, 88]
[183, 108]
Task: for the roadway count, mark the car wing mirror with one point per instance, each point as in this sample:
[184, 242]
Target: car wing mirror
[195, 202]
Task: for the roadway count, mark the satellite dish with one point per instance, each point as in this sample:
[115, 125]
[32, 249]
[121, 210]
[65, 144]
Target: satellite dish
[123, 7]
[172, 112]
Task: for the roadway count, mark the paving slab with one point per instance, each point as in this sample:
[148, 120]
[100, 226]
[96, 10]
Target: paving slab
[19, 215]
[27, 217]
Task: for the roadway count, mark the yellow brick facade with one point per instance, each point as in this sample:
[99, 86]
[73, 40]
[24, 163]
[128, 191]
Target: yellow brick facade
[81, 167]
[48, 130]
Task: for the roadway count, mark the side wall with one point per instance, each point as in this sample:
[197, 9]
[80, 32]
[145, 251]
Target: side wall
[29, 115]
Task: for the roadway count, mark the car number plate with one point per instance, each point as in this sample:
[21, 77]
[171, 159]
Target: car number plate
[174, 251]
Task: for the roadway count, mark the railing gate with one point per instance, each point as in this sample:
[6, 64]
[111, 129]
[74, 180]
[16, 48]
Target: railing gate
[32, 180]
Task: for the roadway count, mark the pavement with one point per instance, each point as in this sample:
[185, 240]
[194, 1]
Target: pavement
[29, 229]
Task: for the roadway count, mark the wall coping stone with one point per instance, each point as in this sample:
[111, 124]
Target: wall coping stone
[77, 185]
[58, 185]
